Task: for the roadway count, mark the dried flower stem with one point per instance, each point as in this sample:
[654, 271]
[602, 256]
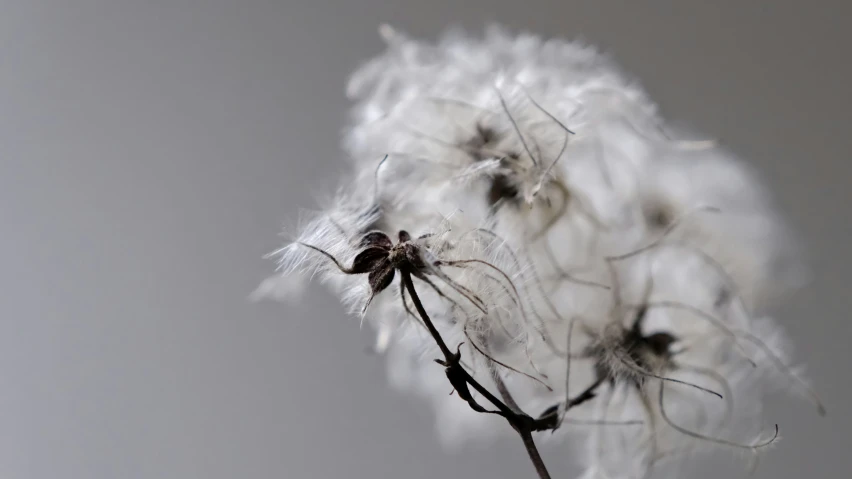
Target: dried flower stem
[535, 457]
[461, 379]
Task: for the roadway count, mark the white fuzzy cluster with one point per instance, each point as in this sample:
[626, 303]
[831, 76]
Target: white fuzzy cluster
[550, 206]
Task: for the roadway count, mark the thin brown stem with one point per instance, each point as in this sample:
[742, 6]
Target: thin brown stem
[535, 457]
[409, 285]
[461, 379]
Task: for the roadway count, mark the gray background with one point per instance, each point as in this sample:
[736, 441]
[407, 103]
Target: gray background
[151, 151]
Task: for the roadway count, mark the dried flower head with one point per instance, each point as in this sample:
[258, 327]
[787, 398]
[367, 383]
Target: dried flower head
[573, 267]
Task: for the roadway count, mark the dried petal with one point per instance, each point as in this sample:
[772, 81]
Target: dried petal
[377, 239]
[381, 277]
[368, 260]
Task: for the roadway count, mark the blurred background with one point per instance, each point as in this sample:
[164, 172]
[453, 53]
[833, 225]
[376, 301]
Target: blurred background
[151, 152]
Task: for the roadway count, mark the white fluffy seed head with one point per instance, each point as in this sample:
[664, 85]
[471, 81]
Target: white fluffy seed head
[542, 191]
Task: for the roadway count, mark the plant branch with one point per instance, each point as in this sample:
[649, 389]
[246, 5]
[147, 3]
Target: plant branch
[535, 457]
[461, 380]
